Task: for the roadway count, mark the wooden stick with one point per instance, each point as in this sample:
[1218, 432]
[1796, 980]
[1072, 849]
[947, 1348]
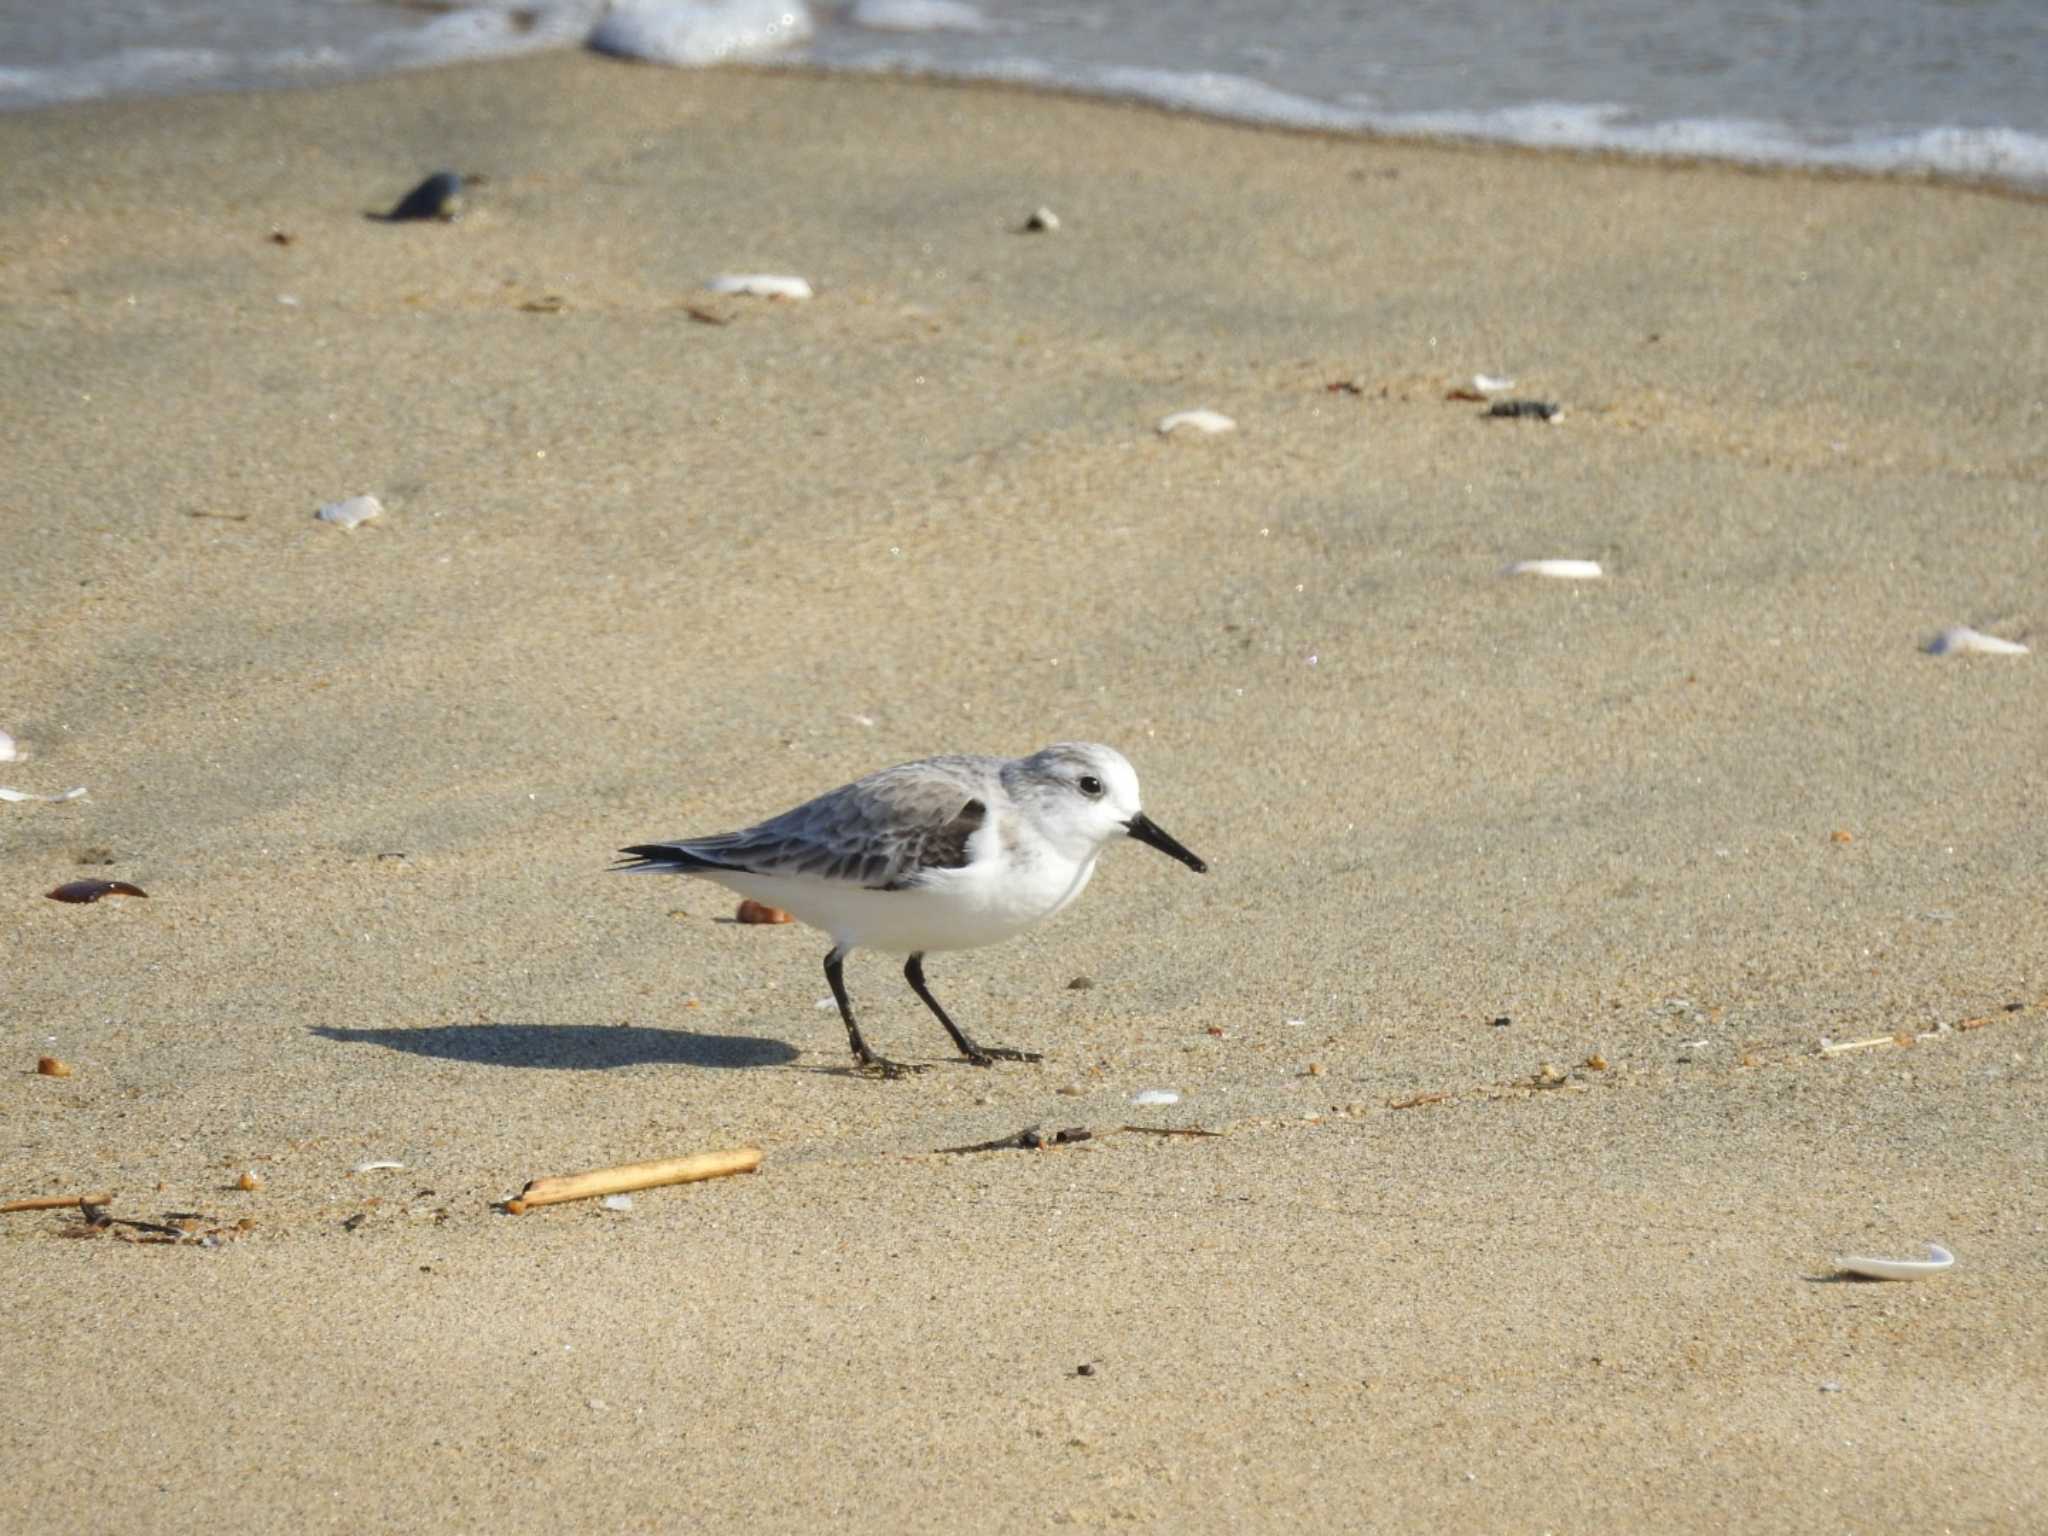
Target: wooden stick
[56, 1202]
[617, 1181]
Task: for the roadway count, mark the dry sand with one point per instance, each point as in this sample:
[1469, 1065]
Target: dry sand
[642, 575]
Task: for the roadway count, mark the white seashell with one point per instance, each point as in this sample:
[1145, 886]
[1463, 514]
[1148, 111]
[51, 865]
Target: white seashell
[8, 751]
[376, 1163]
[617, 1202]
[18, 795]
[1156, 1096]
[1960, 638]
[1938, 1260]
[350, 513]
[762, 285]
[1488, 384]
[1561, 570]
[1042, 221]
[1209, 422]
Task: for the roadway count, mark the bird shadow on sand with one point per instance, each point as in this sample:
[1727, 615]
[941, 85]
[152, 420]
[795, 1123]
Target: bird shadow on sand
[571, 1047]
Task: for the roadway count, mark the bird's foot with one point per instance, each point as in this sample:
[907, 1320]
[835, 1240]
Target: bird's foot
[891, 1071]
[989, 1055]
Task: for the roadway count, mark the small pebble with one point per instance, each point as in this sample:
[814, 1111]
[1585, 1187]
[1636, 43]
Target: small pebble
[1207, 423]
[1043, 221]
[751, 911]
[1961, 639]
[50, 1066]
[438, 197]
[8, 751]
[616, 1203]
[1156, 1096]
[351, 513]
[1080, 984]
[761, 285]
[1538, 410]
[249, 1181]
[93, 890]
[1557, 570]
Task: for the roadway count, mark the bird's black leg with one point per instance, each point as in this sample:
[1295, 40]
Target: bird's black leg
[980, 1055]
[869, 1061]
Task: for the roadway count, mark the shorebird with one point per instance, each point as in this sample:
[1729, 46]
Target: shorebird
[943, 853]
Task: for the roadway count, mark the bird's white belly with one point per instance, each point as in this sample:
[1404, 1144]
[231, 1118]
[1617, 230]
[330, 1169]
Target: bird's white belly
[983, 903]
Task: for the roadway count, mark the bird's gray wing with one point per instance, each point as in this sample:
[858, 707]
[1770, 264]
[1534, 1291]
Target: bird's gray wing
[884, 832]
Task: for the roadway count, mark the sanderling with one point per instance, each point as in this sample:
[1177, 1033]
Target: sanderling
[945, 853]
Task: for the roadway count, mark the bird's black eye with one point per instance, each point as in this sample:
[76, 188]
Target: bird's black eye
[1089, 785]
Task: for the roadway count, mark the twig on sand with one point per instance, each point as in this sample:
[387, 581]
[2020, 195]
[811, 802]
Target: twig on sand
[57, 1202]
[1030, 1139]
[632, 1176]
[1168, 1130]
[1417, 1101]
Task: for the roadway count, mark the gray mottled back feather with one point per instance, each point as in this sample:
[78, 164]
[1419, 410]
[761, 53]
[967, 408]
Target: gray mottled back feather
[883, 831]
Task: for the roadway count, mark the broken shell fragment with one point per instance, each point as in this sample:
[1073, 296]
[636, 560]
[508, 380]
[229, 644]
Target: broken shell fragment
[1206, 422]
[50, 1066]
[1960, 638]
[93, 890]
[761, 285]
[248, 1181]
[8, 751]
[1558, 570]
[18, 795]
[1156, 1096]
[352, 512]
[752, 911]
[1938, 1260]
[1043, 221]
[438, 197]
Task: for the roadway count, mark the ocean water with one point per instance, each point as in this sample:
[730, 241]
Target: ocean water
[1953, 88]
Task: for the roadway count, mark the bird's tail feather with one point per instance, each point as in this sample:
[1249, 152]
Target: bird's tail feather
[665, 859]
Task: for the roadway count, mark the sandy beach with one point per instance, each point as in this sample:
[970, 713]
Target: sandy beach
[1531, 902]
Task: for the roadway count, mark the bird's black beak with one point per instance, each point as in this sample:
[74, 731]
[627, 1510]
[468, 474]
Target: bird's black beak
[1149, 832]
